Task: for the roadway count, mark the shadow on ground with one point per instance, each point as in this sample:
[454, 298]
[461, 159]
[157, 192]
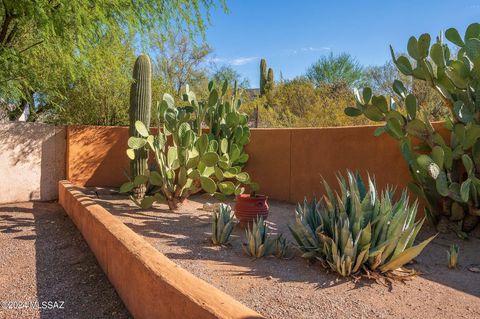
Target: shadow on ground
[184, 235]
[66, 271]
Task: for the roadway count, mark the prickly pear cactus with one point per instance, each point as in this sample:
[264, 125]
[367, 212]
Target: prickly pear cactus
[226, 124]
[195, 160]
[140, 108]
[445, 172]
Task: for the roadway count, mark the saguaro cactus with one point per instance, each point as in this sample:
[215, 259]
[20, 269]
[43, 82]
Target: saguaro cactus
[266, 78]
[140, 106]
[270, 80]
[263, 76]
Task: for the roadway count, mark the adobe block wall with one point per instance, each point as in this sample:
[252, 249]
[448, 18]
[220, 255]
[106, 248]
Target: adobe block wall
[287, 163]
[150, 284]
[32, 161]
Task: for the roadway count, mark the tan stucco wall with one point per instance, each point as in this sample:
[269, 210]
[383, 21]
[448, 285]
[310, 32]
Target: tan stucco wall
[150, 284]
[287, 163]
[32, 161]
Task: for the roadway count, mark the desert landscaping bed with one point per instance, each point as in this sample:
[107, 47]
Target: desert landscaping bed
[294, 287]
[43, 258]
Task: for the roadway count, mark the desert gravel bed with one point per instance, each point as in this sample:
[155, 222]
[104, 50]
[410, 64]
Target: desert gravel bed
[43, 258]
[295, 288]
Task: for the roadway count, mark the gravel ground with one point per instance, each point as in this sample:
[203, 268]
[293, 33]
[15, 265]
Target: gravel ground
[44, 261]
[295, 288]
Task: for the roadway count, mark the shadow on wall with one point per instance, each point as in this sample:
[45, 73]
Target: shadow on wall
[32, 161]
[96, 155]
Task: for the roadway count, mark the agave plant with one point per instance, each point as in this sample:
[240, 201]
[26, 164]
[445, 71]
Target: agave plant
[259, 243]
[304, 231]
[281, 246]
[222, 224]
[452, 255]
[359, 228]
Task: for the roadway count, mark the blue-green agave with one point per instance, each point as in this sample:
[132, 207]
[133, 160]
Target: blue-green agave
[223, 222]
[259, 243]
[358, 227]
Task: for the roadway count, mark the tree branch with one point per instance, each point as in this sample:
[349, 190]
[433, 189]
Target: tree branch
[11, 34]
[30, 46]
[5, 25]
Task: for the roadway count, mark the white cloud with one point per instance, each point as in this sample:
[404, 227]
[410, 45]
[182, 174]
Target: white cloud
[312, 49]
[215, 60]
[235, 61]
[242, 60]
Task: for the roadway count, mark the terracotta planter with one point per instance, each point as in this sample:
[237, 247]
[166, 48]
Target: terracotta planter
[248, 208]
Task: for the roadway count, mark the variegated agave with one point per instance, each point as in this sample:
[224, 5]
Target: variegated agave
[358, 228]
[222, 224]
[259, 243]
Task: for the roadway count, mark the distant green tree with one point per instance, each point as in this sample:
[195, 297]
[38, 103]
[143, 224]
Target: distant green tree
[298, 103]
[226, 72]
[99, 94]
[55, 37]
[181, 62]
[330, 69]
[380, 79]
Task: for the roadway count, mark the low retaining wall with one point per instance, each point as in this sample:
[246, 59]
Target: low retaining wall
[287, 163]
[150, 284]
[32, 161]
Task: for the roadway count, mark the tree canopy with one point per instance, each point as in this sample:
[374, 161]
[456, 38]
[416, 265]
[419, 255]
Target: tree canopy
[45, 46]
[335, 68]
[229, 74]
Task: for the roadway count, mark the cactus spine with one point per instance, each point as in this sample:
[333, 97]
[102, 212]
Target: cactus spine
[140, 105]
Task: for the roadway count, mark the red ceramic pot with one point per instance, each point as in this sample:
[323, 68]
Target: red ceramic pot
[248, 208]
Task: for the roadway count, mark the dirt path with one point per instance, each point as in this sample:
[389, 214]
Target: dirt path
[295, 288]
[43, 258]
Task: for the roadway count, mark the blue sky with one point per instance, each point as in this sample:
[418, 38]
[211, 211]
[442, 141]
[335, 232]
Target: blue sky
[291, 35]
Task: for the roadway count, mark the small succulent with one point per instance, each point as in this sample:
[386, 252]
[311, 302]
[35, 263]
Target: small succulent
[281, 246]
[222, 224]
[453, 256]
[259, 243]
[358, 227]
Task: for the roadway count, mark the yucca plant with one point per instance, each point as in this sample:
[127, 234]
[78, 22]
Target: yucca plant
[222, 224]
[359, 228]
[452, 255]
[259, 243]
